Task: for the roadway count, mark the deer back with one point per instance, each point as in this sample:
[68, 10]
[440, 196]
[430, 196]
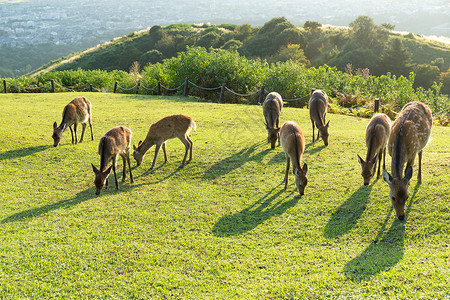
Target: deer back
[115, 142]
[272, 106]
[292, 141]
[377, 135]
[409, 134]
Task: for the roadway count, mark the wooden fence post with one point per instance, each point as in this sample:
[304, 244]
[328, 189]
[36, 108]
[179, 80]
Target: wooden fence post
[53, 85]
[137, 88]
[90, 87]
[4, 86]
[261, 94]
[115, 87]
[376, 105]
[222, 91]
[185, 92]
[158, 90]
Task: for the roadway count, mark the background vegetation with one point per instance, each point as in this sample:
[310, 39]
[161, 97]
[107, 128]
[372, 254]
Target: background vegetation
[221, 227]
[363, 47]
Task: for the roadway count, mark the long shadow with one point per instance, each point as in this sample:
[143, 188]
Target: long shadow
[22, 152]
[346, 216]
[385, 251]
[250, 217]
[314, 150]
[234, 162]
[36, 212]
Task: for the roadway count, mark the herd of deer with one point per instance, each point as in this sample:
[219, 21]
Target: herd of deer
[407, 137]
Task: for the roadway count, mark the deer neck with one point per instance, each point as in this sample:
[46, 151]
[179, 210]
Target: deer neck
[398, 156]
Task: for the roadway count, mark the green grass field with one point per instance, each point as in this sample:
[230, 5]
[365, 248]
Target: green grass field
[221, 227]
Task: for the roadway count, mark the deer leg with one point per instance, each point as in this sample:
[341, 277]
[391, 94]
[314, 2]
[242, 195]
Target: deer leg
[129, 166]
[380, 154]
[190, 147]
[288, 164]
[419, 174]
[312, 122]
[83, 125]
[75, 130]
[90, 125]
[187, 145]
[164, 150]
[71, 132]
[158, 146]
[124, 160]
[114, 170]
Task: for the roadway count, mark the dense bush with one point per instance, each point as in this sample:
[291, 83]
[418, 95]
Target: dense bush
[211, 68]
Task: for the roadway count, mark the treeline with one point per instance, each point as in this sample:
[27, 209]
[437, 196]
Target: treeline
[211, 68]
[362, 48]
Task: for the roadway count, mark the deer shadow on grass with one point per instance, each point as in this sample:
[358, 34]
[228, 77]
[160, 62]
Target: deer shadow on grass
[38, 211]
[22, 152]
[257, 213]
[346, 216]
[235, 161]
[311, 151]
[385, 251]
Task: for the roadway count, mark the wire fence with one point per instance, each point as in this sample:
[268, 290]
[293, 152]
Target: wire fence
[52, 86]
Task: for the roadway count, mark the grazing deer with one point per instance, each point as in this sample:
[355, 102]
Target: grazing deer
[115, 142]
[293, 144]
[409, 135]
[318, 105]
[271, 110]
[173, 126]
[77, 111]
[377, 135]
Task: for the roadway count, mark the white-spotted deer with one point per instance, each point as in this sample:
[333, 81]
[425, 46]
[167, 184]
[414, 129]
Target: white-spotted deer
[409, 135]
[77, 111]
[271, 110]
[377, 136]
[115, 142]
[173, 126]
[293, 143]
[318, 106]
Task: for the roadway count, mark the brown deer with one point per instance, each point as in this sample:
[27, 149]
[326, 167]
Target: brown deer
[318, 105]
[377, 135]
[115, 142]
[409, 135]
[271, 110]
[77, 111]
[172, 126]
[293, 143]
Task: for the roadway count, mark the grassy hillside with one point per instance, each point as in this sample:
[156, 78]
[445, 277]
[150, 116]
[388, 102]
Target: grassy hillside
[319, 45]
[222, 226]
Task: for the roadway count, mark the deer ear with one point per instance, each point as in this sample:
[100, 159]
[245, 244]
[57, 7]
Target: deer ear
[305, 168]
[108, 171]
[328, 124]
[387, 177]
[408, 173]
[95, 169]
[374, 160]
[360, 160]
[55, 125]
[134, 148]
[140, 143]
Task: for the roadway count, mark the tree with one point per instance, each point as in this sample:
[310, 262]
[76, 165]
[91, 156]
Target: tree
[312, 26]
[445, 79]
[396, 59]
[367, 34]
[294, 53]
[426, 75]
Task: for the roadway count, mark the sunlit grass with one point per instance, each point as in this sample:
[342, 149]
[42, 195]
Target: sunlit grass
[222, 226]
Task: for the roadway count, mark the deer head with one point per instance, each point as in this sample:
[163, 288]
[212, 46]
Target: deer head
[101, 178]
[398, 191]
[57, 134]
[138, 155]
[324, 132]
[368, 168]
[273, 135]
[300, 178]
